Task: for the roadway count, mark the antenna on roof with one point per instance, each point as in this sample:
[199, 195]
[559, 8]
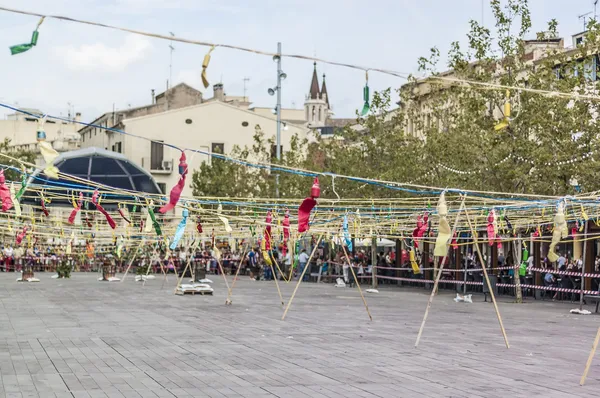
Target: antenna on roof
[246, 79]
[584, 16]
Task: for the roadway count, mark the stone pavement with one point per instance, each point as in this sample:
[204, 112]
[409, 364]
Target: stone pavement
[84, 338]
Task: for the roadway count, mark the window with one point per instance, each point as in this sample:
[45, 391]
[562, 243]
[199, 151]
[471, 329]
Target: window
[319, 113]
[83, 137]
[274, 151]
[188, 121]
[218, 147]
[157, 152]
[163, 187]
[117, 147]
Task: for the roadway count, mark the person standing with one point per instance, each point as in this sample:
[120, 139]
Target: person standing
[302, 261]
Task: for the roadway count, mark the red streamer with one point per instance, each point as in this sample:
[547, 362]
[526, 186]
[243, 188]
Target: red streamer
[76, 209]
[123, 216]
[7, 202]
[177, 189]
[21, 235]
[422, 225]
[307, 205]
[286, 231]
[109, 219]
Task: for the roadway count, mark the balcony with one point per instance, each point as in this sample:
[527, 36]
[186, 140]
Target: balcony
[163, 167]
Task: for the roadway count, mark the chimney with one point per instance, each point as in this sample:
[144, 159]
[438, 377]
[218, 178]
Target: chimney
[78, 117]
[152, 91]
[218, 92]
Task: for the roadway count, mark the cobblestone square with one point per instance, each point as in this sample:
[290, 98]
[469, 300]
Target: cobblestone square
[84, 338]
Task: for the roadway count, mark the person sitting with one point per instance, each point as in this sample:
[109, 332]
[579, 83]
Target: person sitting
[550, 281]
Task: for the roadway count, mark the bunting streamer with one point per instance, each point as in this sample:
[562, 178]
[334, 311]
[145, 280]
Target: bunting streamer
[286, 232]
[21, 48]
[224, 220]
[48, 153]
[7, 203]
[346, 233]
[444, 230]
[20, 236]
[178, 188]
[23, 184]
[123, 216]
[205, 63]
[307, 205]
[96, 201]
[76, 208]
[560, 231]
[422, 225]
[155, 223]
[267, 234]
[15, 201]
[413, 262]
[180, 229]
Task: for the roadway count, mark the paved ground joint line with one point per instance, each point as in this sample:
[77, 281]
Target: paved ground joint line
[59, 373]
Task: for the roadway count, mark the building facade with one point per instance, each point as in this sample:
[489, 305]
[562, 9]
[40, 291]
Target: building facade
[211, 127]
[21, 131]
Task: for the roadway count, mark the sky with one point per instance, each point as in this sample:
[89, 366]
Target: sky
[91, 69]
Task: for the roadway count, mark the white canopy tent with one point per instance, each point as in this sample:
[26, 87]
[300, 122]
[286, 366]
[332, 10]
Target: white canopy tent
[381, 242]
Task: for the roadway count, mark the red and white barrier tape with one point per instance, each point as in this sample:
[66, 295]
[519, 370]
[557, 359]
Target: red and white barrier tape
[568, 273]
[550, 288]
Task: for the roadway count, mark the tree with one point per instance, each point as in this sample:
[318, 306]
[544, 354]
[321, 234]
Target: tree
[534, 153]
[11, 172]
[457, 133]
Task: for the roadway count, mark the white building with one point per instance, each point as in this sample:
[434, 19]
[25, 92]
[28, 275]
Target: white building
[21, 130]
[211, 127]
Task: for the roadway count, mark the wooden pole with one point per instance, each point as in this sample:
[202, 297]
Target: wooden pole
[487, 280]
[275, 278]
[132, 259]
[236, 275]
[374, 261]
[585, 243]
[187, 265]
[357, 283]
[439, 274]
[224, 277]
[590, 358]
[517, 270]
[301, 277]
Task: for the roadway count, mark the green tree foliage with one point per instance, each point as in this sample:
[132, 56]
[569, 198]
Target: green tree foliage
[25, 156]
[443, 134]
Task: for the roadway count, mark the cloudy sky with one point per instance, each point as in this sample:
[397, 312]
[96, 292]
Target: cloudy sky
[93, 68]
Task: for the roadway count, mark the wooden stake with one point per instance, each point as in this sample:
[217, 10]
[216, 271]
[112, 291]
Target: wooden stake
[236, 275]
[590, 358]
[357, 283]
[301, 277]
[224, 277]
[439, 274]
[276, 281]
[187, 265]
[132, 259]
[487, 280]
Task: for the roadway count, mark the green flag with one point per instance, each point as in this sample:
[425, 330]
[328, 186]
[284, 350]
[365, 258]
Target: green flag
[21, 48]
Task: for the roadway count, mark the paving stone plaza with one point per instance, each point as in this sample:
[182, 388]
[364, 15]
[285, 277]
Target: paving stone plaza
[84, 338]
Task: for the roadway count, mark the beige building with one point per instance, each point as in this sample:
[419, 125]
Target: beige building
[210, 127]
[422, 99]
[21, 130]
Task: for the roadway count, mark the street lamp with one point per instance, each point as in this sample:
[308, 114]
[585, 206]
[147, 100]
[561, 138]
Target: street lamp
[280, 76]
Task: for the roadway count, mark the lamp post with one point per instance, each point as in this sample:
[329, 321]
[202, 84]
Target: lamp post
[280, 76]
[278, 139]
